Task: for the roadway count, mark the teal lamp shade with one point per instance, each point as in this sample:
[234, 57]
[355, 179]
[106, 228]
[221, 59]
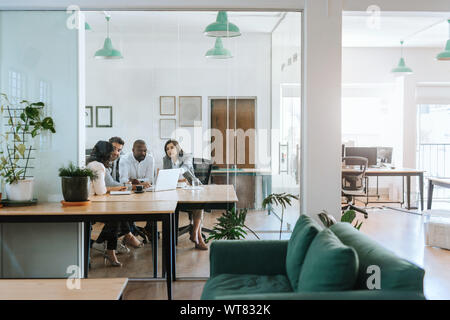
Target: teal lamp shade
[222, 28]
[108, 51]
[402, 68]
[445, 55]
[218, 52]
[87, 27]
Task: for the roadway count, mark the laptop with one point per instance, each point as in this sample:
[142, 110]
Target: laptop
[167, 180]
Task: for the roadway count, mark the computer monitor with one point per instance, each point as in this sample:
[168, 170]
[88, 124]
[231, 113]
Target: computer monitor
[367, 152]
[384, 154]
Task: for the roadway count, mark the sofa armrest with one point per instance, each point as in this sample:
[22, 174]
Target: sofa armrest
[261, 257]
[336, 295]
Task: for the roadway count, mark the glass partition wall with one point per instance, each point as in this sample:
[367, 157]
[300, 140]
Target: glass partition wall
[39, 62]
[232, 98]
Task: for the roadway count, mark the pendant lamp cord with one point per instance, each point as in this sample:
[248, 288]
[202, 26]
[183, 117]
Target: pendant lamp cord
[107, 26]
[426, 28]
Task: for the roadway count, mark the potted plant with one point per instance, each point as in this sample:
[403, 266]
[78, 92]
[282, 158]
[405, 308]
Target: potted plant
[75, 182]
[25, 121]
[348, 216]
[231, 226]
[282, 199]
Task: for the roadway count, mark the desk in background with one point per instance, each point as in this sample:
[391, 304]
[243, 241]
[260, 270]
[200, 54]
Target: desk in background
[101, 211]
[444, 183]
[56, 289]
[397, 172]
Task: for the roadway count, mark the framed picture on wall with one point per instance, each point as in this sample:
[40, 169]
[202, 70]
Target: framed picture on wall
[166, 128]
[167, 106]
[89, 121]
[190, 113]
[103, 117]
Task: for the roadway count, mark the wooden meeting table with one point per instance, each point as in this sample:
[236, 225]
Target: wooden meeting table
[100, 211]
[212, 196]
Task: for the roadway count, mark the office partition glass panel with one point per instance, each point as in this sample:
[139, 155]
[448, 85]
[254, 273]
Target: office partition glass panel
[433, 146]
[39, 63]
[233, 101]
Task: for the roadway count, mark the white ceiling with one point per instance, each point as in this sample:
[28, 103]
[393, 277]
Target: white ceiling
[358, 31]
[357, 28]
[145, 21]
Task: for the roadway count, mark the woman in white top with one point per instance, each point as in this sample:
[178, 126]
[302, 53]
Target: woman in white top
[176, 158]
[100, 159]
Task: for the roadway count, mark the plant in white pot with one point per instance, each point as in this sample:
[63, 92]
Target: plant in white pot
[25, 121]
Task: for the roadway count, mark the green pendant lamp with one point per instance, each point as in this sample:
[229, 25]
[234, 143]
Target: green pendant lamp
[222, 28]
[87, 27]
[401, 69]
[218, 52]
[108, 51]
[445, 55]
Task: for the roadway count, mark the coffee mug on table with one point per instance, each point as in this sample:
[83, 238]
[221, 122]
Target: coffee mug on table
[139, 188]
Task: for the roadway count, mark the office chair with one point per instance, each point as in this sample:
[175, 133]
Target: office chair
[354, 183]
[202, 170]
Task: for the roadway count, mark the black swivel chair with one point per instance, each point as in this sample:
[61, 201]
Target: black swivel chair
[354, 183]
[202, 170]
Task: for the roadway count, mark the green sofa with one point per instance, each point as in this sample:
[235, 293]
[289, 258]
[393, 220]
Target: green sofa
[316, 263]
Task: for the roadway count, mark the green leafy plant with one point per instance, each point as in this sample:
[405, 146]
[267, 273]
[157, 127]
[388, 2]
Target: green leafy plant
[74, 171]
[231, 226]
[283, 199]
[24, 120]
[348, 216]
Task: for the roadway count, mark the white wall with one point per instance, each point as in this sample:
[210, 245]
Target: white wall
[171, 62]
[321, 118]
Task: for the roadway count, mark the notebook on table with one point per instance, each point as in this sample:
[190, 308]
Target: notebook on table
[114, 193]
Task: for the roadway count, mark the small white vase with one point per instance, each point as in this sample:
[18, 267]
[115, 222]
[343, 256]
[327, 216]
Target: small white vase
[21, 190]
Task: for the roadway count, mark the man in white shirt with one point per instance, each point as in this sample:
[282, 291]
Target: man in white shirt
[138, 167]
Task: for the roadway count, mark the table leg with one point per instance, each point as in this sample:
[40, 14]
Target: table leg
[177, 219]
[87, 247]
[421, 191]
[174, 244]
[167, 246]
[430, 194]
[408, 192]
[155, 248]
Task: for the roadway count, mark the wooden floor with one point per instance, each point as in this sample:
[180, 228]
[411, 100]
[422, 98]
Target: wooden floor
[399, 231]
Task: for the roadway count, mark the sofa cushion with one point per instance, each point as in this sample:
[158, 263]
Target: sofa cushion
[230, 284]
[303, 234]
[395, 273]
[329, 265]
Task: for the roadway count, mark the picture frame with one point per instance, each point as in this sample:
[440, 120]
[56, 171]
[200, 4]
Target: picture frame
[167, 105]
[103, 117]
[89, 119]
[166, 128]
[190, 111]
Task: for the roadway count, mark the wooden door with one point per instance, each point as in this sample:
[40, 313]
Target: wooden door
[235, 120]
